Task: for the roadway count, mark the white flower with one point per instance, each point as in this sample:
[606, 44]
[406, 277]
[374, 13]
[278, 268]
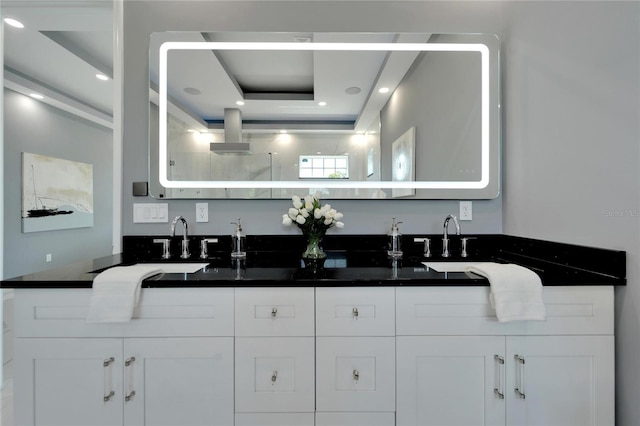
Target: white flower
[339, 225]
[330, 213]
[324, 209]
[297, 203]
[304, 213]
[337, 216]
[295, 199]
[300, 219]
[293, 213]
[308, 199]
[328, 221]
[286, 220]
[308, 205]
[317, 213]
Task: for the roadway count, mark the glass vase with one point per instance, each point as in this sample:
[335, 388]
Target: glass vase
[314, 256]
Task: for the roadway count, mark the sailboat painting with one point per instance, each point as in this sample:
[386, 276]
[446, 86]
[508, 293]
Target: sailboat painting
[56, 193]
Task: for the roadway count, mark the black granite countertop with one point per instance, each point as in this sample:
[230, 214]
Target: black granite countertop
[275, 261]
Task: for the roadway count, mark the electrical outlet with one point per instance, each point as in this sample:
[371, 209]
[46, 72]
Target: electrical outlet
[48, 257]
[466, 211]
[202, 212]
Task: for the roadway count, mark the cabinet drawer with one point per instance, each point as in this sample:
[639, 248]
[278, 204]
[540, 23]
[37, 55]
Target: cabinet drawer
[425, 311]
[356, 419]
[355, 311]
[355, 374]
[274, 419]
[275, 374]
[161, 312]
[274, 311]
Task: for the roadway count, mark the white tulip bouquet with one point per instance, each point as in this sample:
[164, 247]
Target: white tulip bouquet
[312, 217]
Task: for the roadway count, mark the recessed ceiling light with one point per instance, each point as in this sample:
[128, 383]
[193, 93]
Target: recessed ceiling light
[192, 91]
[36, 96]
[383, 90]
[14, 23]
[283, 131]
[322, 103]
[240, 103]
[102, 77]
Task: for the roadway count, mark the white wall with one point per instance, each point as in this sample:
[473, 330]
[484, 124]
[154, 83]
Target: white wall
[264, 217]
[572, 160]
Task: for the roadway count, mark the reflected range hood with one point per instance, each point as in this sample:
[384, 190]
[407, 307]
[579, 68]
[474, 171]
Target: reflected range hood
[232, 135]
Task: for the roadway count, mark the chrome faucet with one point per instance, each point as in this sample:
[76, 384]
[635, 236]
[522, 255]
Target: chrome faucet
[185, 240]
[445, 236]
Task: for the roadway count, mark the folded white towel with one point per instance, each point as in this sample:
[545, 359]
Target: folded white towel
[516, 292]
[116, 293]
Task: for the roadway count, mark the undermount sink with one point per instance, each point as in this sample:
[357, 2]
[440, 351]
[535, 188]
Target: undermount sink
[449, 266]
[177, 268]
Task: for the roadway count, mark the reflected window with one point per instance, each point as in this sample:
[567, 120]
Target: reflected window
[323, 167]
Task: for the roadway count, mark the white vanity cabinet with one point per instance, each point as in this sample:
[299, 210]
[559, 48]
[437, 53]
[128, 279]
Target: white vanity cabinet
[274, 356]
[355, 356]
[458, 365]
[172, 375]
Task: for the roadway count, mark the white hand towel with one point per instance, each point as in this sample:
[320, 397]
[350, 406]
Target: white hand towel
[116, 292]
[516, 292]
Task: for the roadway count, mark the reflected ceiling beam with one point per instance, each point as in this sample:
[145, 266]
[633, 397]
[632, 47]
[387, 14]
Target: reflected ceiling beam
[22, 84]
[68, 44]
[390, 75]
[258, 126]
[179, 111]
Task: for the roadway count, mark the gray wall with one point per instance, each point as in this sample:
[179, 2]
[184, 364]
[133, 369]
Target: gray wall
[264, 217]
[572, 158]
[32, 126]
[571, 136]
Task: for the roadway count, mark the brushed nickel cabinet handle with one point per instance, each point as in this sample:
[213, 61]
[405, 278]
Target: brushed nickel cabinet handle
[128, 364]
[519, 389]
[108, 379]
[497, 390]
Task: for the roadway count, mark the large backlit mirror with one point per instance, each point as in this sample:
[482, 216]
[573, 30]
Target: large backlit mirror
[377, 115]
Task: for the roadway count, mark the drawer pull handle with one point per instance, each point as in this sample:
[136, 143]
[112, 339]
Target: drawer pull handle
[130, 396]
[108, 362]
[355, 312]
[274, 312]
[274, 377]
[356, 375]
[129, 361]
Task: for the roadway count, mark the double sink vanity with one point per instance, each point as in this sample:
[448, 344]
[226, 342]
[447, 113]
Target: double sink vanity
[366, 341]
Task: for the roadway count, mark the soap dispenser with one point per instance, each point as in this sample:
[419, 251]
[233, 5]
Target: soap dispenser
[238, 242]
[395, 241]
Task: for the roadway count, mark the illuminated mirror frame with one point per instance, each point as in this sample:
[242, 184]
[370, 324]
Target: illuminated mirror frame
[329, 183]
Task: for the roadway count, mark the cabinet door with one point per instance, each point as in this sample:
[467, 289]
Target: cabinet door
[71, 382]
[560, 380]
[453, 380]
[178, 381]
[275, 374]
[355, 374]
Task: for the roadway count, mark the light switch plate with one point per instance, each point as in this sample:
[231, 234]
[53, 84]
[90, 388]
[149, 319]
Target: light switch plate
[150, 213]
[466, 211]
